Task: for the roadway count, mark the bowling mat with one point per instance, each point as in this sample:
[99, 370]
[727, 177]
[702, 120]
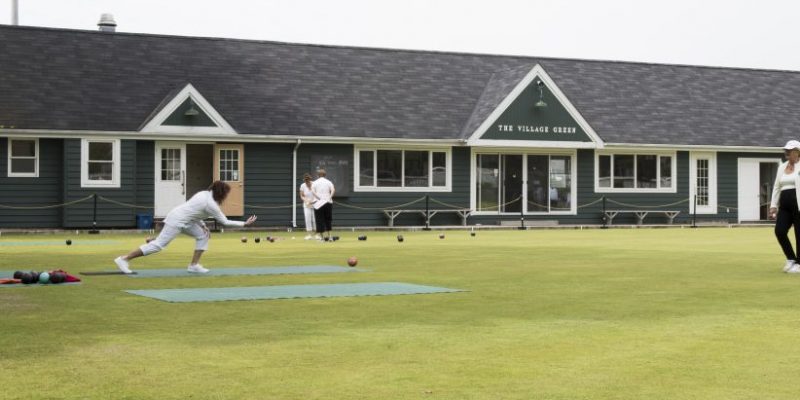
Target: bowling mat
[289, 292]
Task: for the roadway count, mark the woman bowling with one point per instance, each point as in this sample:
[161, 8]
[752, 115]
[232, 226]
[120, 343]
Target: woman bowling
[188, 218]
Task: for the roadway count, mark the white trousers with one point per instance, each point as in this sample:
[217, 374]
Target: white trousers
[311, 224]
[170, 232]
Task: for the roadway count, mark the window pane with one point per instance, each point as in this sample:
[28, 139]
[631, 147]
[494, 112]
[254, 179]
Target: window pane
[604, 171]
[538, 184]
[99, 151]
[390, 168]
[439, 169]
[560, 183]
[666, 171]
[23, 165]
[488, 182]
[702, 182]
[646, 171]
[100, 171]
[366, 161]
[623, 171]
[416, 168]
[23, 148]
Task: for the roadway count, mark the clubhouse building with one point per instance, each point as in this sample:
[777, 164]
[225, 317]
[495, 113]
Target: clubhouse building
[126, 124]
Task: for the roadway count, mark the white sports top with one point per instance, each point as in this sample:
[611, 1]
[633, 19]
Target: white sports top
[787, 181]
[198, 208]
[323, 189]
[308, 195]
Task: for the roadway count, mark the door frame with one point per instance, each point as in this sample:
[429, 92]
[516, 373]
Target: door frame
[741, 199]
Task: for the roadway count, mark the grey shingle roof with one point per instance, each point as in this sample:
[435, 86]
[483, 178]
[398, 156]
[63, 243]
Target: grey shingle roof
[86, 80]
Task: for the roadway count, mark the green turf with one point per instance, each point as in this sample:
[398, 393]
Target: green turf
[549, 314]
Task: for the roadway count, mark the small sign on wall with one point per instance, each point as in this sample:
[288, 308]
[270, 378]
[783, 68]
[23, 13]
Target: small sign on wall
[338, 169]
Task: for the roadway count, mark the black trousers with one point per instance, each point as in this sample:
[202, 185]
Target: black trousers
[324, 218]
[788, 215]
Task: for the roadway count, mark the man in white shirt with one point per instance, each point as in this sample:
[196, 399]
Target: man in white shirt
[323, 207]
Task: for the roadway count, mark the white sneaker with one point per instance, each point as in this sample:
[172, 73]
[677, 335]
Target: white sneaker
[318, 236]
[789, 264]
[794, 270]
[197, 269]
[308, 237]
[123, 265]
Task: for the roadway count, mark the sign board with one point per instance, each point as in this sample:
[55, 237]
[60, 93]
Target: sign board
[338, 169]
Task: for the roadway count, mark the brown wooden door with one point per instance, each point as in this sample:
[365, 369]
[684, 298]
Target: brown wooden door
[229, 167]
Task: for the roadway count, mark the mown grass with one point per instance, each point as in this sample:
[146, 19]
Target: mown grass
[549, 314]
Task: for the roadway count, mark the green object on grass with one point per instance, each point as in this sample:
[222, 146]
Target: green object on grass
[288, 292]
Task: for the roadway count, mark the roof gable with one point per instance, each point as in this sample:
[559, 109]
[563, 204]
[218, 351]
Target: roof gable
[534, 113]
[187, 112]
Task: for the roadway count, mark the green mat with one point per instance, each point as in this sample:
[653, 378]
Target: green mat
[289, 292]
[181, 272]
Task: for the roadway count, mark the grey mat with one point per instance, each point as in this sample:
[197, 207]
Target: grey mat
[288, 292]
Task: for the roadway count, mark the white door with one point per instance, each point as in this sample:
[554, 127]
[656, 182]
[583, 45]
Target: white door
[170, 179]
[748, 190]
[756, 177]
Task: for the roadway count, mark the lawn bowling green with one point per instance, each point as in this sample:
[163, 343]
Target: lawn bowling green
[555, 313]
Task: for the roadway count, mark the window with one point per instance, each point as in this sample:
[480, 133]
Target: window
[23, 157]
[400, 170]
[635, 172]
[170, 165]
[100, 159]
[527, 183]
[229, 165]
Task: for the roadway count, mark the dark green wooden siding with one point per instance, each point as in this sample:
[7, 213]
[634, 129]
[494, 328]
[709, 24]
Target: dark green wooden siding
[44, 190]
[109, 215]
[268, 184]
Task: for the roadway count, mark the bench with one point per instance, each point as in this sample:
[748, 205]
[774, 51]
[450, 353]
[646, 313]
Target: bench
[428, 214]
[640, 214]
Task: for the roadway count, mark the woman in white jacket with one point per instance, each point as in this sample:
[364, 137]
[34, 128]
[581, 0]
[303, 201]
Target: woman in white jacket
[784, 206]
[188, 218]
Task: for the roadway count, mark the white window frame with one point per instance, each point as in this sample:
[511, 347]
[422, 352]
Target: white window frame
[115, 168]
[35, 173]
[572, 154]
[674, 167]
[357, 187]
[711, 208]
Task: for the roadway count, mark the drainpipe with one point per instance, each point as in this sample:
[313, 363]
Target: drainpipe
[294, 181]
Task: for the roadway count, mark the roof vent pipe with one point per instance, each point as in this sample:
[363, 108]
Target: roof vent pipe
[14, 12]
[107, 23]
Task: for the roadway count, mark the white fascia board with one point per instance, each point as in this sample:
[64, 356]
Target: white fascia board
[671, 147]
[155, 125]
[536, 71]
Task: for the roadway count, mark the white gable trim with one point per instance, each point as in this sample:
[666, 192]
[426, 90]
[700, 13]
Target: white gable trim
[156, 123]
[536, 71]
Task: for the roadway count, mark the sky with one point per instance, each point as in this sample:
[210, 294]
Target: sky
[730, 33]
